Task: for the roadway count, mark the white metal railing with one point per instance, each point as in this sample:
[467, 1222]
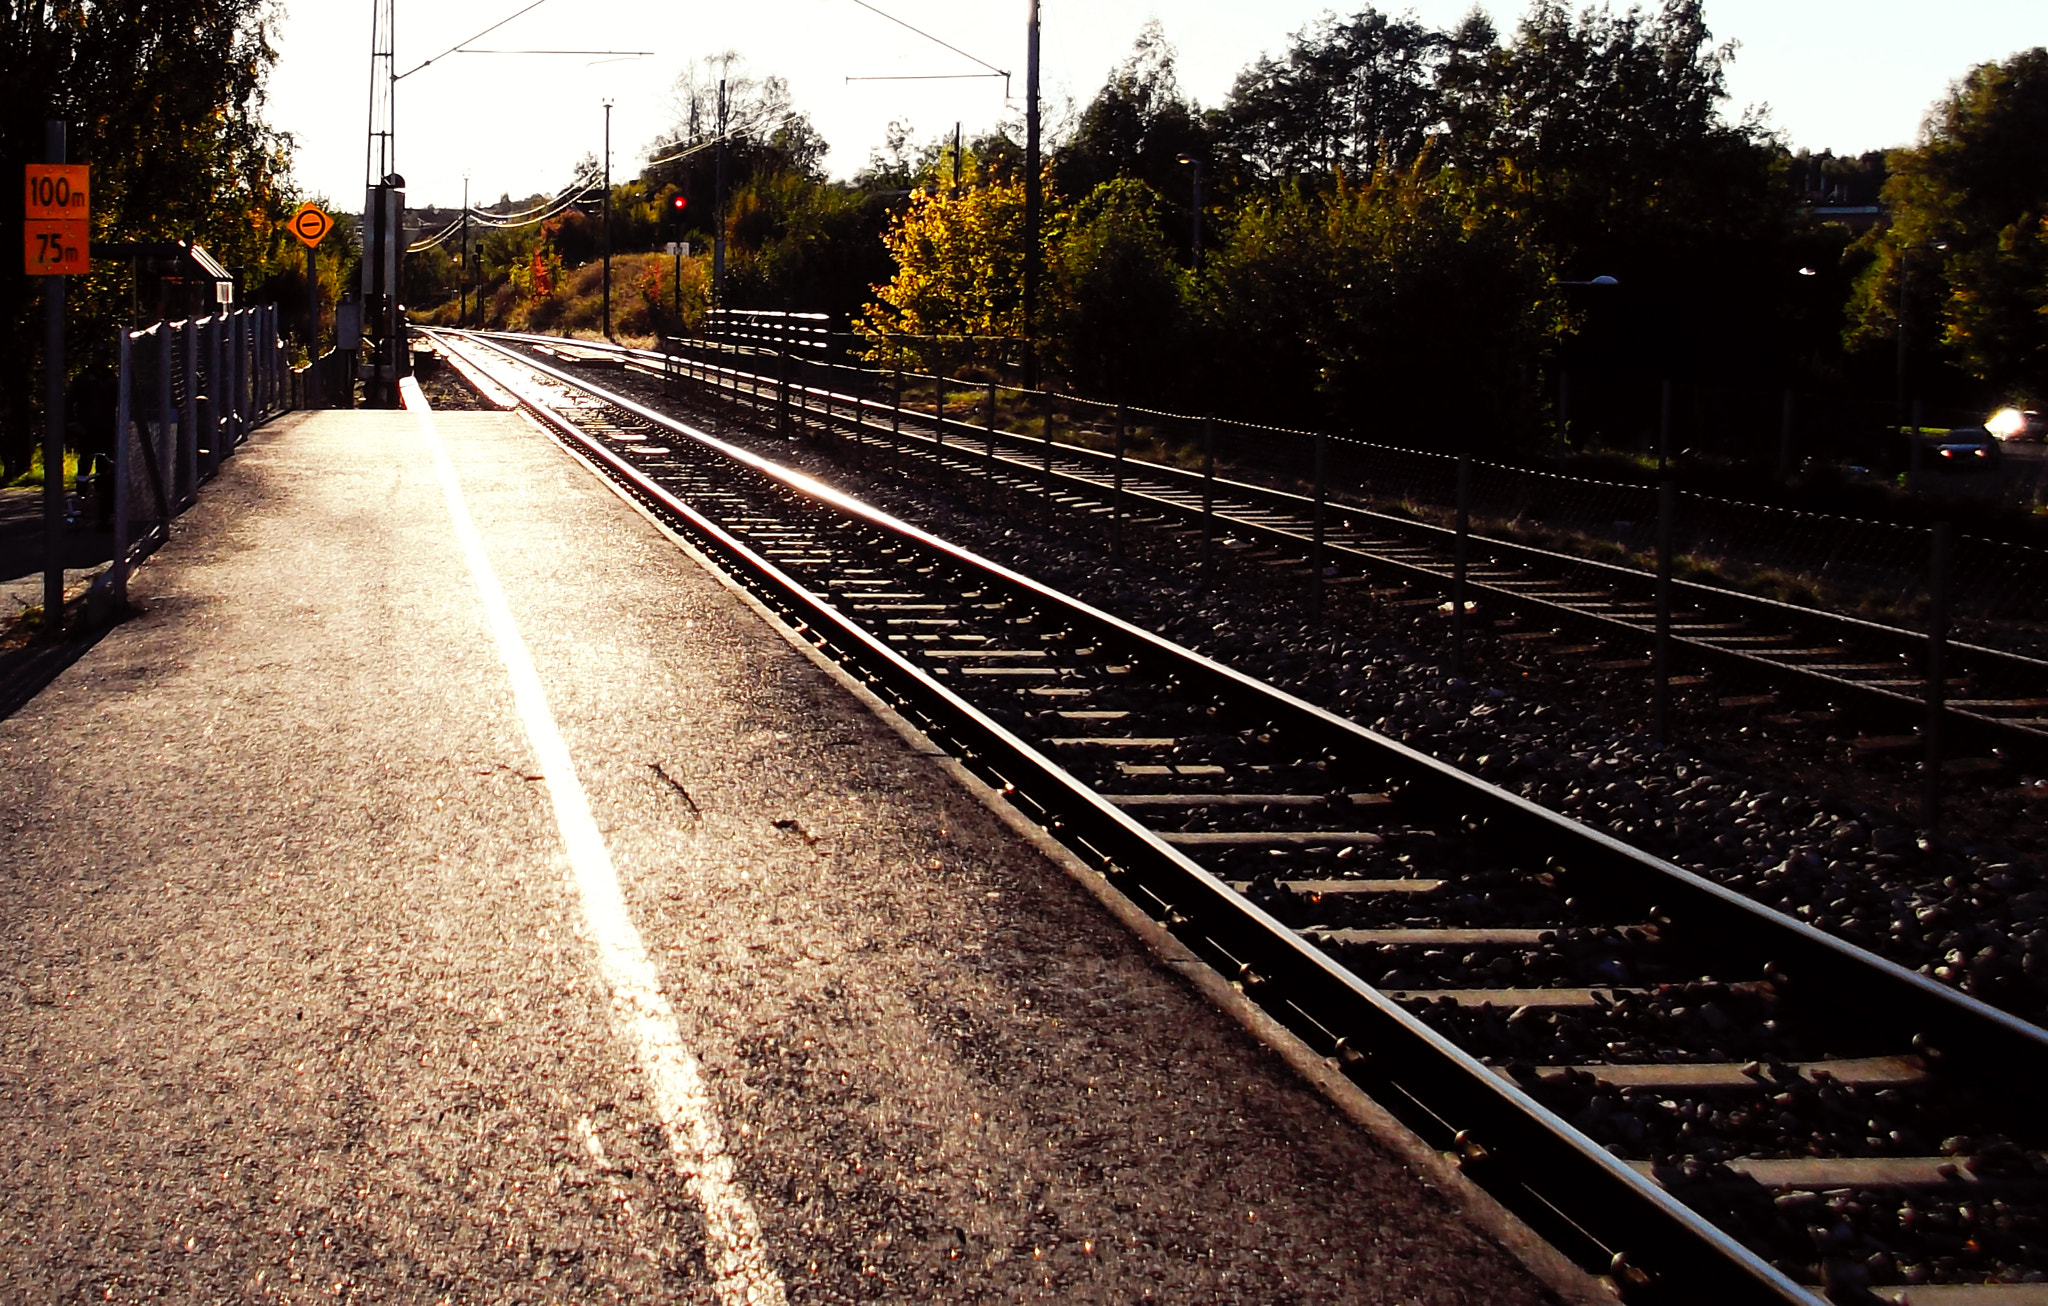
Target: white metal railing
[189, 392]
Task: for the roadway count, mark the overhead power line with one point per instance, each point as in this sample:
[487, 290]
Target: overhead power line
[478, 37]
[1003, 73]
[930, 77]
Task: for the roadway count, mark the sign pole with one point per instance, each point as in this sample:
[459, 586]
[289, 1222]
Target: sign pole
[312, 312]
[311, 224]
[53, 430]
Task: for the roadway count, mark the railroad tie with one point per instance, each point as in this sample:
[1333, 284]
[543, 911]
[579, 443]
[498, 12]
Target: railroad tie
[1327, 888]
[1735, 1076]
[1275, 839]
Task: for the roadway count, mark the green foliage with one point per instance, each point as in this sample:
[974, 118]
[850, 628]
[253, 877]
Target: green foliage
[1121, 298]
[165, 102]
[959, 262]
[1605, 131]
[1967, 244]
[1407, 300]
[1354, 95]
[798, 244]
[1138, 125]
[426, 277]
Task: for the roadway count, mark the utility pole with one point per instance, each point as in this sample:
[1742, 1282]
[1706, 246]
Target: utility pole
[1032, 200]
[464, 317]
[956, 160]
[718, 212]
[606, 235]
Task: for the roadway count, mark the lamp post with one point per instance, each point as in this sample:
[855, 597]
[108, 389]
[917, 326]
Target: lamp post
[1197, 164]
[606, 234]
[1032, 197]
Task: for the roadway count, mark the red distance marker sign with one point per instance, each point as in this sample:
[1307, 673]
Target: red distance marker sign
[55, 206]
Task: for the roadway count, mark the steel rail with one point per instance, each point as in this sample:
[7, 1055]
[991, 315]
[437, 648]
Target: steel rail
[1511, 1143]
[1968, 727]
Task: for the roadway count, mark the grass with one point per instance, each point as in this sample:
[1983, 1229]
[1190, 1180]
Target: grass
[33, 477]
[643, 288]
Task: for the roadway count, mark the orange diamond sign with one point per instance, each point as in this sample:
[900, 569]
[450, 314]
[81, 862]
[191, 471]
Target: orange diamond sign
[310, 224]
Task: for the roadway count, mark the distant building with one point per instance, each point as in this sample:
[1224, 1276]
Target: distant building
[1856, 217]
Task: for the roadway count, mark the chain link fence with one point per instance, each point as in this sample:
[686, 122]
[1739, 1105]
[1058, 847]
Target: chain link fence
[1872, 569]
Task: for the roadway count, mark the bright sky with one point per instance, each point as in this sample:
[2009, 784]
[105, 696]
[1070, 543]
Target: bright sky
[1835, 74]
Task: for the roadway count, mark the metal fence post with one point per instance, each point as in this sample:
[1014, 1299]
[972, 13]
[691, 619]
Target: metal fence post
[1116, 496]
[1045, 467]
[188, 431]
[1915, 451]
[989, 470]
[1937, 642]
[1208, 496]
[1664, 427]
[1322, 482]
[245, 377]
[190, 418]
[1785, 438]
[1667, 506]
[54, 130]
[216, 394]
[237, 377]
[170, 446]
[1458, 561]
[259, 363]
[782, 422]
[123, 417]
[939, 411]
[1564, 414]
[227, 399]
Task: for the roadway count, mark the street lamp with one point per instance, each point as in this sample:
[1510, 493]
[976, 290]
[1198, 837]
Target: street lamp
[1197, 165]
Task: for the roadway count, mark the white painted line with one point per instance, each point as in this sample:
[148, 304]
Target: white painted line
[737, 1255]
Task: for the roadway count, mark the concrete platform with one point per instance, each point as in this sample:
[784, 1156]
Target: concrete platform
[367, 937]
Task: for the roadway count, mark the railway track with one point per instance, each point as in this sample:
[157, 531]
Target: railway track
[1698, 1097]
[1861, 673]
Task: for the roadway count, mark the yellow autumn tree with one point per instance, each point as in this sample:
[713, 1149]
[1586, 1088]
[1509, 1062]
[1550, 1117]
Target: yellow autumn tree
[959, 283]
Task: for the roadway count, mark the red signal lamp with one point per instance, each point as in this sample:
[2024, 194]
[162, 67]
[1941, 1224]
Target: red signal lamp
[678, 202]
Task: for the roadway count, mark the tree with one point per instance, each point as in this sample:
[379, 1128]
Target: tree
[755, 103]
[1350, 95]
[165, 102]
[798, 244]
[764, 130]
[1606, 130]
[959, 262]
[1404, 305]
[1603, 133]
[1121, 298]
[1969, 228]
[1138, 124]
